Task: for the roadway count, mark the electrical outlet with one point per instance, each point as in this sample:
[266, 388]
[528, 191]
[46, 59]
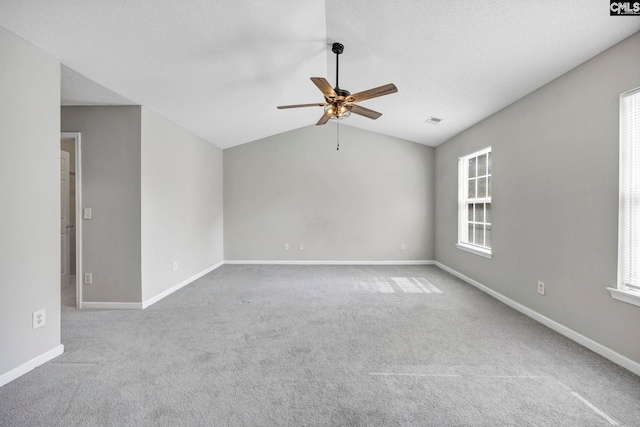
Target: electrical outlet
[88, 278]
[286, 246]
[402, 247]
[301, 247]
[541, 288]
[175, 265]
[39, 319]
[87, 213]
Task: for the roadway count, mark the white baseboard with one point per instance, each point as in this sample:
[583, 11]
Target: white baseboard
[152, 300]
[329, 262]
[182, 284]
[31, 365]
[561, 329]
[112, 305]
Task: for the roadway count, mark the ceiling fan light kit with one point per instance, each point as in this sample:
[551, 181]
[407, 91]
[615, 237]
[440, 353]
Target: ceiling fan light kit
[339, 103]
[337, 112]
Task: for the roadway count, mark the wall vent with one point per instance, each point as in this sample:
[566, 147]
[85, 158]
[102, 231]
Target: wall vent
[433, 120]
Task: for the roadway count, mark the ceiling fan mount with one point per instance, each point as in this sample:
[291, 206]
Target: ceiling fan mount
[339, 103]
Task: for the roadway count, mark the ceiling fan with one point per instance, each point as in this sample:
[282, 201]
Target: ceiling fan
[339, 103]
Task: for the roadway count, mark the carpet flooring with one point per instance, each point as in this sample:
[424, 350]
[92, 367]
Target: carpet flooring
[266, 345]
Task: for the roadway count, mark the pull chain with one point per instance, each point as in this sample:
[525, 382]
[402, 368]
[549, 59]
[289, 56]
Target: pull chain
[338, 138]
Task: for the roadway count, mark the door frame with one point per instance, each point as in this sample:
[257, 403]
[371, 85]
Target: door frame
[78, 165]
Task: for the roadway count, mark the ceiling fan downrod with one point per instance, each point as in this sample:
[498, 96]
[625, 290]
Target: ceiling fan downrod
[338, 48]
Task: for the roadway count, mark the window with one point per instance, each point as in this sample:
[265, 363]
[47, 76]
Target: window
[474, 203]
[628, 288]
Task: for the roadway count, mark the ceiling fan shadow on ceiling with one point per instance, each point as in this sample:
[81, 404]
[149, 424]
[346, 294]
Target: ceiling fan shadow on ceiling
[339, 103]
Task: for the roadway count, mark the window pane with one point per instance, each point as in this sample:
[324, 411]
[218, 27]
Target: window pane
[479, 212]
[474, 214]
[482, 165]
[472, 168]
[629, 236]
[479, 235]
[482, 187]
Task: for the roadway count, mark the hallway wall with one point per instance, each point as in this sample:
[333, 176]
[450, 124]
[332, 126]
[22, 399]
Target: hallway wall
[111, 188]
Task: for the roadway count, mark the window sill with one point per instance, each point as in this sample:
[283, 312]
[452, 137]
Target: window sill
[625, 296]
[474, 250]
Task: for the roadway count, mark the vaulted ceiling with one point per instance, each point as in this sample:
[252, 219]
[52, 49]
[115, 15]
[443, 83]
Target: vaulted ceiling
[220, 68]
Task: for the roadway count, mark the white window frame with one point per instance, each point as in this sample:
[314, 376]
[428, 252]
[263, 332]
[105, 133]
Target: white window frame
[629, 216]
[463, 201]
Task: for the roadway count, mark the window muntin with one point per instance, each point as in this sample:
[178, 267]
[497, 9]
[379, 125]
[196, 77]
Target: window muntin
[474, 202]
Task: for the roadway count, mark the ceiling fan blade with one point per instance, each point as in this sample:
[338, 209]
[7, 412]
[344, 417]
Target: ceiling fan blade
[324, 119]
[282, 107]
[324, 87]
[357, 109]
[373, 93]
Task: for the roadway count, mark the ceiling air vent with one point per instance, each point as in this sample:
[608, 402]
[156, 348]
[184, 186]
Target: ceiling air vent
[433, 120]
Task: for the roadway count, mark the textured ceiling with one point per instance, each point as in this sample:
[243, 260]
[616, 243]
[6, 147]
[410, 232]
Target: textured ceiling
[76, 89]
[220, 68]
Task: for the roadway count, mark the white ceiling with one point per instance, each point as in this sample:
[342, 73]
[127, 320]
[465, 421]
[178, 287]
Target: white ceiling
[76, 89]
[220, 68]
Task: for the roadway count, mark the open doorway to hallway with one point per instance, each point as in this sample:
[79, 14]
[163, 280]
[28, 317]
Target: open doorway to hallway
[70, 221]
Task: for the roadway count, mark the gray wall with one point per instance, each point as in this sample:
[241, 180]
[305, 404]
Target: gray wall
[359, 203]
[181, 204]
[110, 157]
[555, 199]
[30, 214]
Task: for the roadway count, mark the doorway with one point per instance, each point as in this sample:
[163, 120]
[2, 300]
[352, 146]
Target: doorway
[70, 220]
